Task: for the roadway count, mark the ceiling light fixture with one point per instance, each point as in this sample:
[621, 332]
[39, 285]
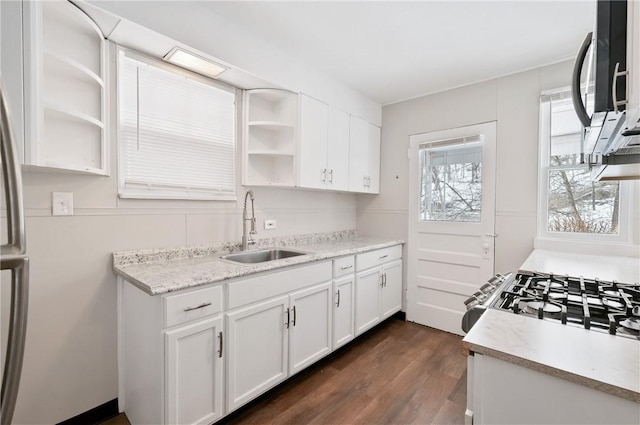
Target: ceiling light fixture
[194, 63]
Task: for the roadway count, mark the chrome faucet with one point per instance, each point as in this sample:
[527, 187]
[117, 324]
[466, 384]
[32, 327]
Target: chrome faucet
[252, 232]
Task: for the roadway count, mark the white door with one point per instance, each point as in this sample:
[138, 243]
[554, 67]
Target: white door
[358, 154]
[451, 222]
[373, 168]
[257, 341]
[391, 294]
[194, 373]
[310, 326]
[343, 317]
[367, 299]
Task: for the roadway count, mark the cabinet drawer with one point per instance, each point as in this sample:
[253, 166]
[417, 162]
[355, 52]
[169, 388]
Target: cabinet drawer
[377, 257]
[343, 266]
[192, 305]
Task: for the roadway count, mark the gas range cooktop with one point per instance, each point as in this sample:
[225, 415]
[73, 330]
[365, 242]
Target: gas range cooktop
[606, 306]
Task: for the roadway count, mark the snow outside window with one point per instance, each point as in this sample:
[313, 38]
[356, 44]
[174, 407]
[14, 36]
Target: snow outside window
[572, 205]
[176, 132]
[451, 180]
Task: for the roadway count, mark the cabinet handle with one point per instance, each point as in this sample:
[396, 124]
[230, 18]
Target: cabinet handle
[221, 344]
[324, 175]
[381, 279]
[203, 305]
[294, 315]
[338, 302]
[384, 256]
[331, 176]
[384, 279]
[346, 267]
[288, 318]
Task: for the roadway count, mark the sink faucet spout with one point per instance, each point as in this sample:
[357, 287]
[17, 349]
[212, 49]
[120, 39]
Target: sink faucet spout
[252, 220]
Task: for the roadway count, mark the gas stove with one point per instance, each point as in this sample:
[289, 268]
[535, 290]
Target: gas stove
[605, 306]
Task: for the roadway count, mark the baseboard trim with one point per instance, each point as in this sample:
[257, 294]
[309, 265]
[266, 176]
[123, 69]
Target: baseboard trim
[96, 415]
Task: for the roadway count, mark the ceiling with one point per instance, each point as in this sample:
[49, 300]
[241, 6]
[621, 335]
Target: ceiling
[394, 50]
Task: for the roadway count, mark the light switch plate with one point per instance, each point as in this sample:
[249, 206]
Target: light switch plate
[62, 203]
[269, 224]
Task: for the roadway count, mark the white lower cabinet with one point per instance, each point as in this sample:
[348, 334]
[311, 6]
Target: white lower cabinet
[194, 356]
[194, 373]
[309, 326]
[343, 311]
[272, 340]
[378, 287]
[256, 350]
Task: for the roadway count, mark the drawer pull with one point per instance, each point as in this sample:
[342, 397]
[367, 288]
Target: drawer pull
[384, 256]
[203, 305]
[346, 267]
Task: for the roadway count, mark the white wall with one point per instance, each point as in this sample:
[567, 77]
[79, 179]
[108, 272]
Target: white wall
[512, 101]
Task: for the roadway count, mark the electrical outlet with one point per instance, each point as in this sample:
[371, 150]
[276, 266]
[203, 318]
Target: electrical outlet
[62, 203]
[269, 224]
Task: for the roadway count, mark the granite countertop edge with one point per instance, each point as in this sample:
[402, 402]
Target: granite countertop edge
[142, 276]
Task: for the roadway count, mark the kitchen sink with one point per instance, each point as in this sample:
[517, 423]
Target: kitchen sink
[261, 256]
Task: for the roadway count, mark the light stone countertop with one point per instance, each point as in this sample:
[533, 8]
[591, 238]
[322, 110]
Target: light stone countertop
[604, 362]
[161, 271]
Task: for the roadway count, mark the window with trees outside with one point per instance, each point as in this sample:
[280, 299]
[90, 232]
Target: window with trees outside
[571, 203]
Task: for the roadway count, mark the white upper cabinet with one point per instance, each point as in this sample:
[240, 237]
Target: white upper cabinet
[269, 138]
[324, 146]
[364, 156]
[314, 126]
[63, 84]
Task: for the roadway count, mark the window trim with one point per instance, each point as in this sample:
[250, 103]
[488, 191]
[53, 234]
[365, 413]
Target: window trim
[625, 193]
[158, 194]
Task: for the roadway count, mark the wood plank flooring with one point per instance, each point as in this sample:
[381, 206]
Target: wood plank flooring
[398, 373]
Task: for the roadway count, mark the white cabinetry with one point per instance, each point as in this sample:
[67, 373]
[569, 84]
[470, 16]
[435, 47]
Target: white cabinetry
[273, 339]
[194, 372]
[171, 356]
[60, 96]
[343, 310]
[364, 156]
[257, 349]
[269, 138]
[378, 288]
[324, 146]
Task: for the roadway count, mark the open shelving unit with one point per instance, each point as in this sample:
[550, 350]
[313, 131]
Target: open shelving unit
[269, 146]
[65, 90]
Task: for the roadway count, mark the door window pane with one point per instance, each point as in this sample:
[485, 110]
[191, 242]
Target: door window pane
[451, 181]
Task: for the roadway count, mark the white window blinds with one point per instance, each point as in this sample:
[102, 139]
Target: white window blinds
[176, 133]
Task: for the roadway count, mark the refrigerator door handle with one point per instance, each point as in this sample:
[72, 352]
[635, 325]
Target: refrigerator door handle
[13, 183]
[13, 257]
[581, 111]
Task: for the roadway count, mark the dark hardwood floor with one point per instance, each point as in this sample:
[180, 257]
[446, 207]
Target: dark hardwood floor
[398, 373]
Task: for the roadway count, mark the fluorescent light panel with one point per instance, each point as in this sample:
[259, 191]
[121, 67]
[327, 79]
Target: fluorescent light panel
[194, 63]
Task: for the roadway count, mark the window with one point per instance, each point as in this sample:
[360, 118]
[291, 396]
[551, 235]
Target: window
[572, 206]
[451, 180]
[177, 132]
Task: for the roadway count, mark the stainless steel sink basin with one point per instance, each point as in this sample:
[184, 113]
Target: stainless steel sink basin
[261, 256]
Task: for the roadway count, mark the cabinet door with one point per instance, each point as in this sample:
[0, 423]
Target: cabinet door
[338, 150]
[373, 165]
[343, 314]
[314, 121]
[257, 339]
[310, 326]
[391, 294]
[194, 382]
[367, 299]
[358, 154]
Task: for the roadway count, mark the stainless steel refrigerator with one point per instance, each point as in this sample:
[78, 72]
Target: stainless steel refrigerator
[14, 259]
